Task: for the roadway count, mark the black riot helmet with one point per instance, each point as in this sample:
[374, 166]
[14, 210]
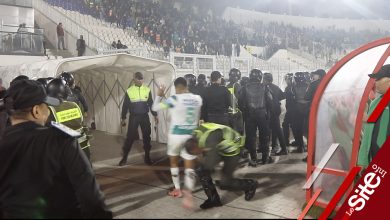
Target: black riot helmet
[234, 75]
[289, 78]
[255, 75]
[43, 82]
[268, 77]
[202, 80]
[68, 78]
[244, 81]
[56, 88]
[191, 80]
[300, 77]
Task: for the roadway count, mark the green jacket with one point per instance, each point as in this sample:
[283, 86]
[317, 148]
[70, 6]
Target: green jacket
[228, 142]
[364, 158]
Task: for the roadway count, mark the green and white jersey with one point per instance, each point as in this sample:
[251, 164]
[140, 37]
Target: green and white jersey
[184, 110]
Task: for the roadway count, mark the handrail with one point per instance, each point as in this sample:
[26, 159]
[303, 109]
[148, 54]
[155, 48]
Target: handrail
[91, 43]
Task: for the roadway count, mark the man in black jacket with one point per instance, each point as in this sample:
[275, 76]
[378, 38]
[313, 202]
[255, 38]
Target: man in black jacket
[302, 109]
[290, 109]
[276, 130]
[43, 172]
[80, 45]
[216, 101]
[256, 105]
[316, 78]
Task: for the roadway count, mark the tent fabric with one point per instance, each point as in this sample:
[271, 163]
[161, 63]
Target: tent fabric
[103, 80]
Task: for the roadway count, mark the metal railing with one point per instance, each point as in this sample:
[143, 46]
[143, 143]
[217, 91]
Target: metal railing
[70, 26]
[21, 43]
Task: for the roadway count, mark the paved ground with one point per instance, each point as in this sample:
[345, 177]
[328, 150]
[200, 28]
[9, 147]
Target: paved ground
[139, 191]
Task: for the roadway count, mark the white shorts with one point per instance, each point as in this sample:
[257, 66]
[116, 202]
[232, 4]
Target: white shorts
[175, 146]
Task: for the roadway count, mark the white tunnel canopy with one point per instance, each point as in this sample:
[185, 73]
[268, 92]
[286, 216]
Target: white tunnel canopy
[104, 80]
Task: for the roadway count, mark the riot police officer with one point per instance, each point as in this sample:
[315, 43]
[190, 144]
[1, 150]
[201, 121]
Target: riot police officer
[191, 82]
[302, 109]
[290, 109]
[277, 95]
[75, 94]
[216, 101]
[256, 105]
[235, 115]
[68, 113]
[52, 176]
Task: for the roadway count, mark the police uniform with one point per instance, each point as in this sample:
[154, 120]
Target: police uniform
[235, 114]
[221, 144]
[138, 101]
[44, 173]
[289, 116]
[70, 115]
[302, 110]
[256, 105]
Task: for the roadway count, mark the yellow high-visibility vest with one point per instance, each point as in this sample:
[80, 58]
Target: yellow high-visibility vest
[138, 94]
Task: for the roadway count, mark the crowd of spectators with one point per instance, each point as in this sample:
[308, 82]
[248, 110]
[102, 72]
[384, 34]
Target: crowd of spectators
[198, 29]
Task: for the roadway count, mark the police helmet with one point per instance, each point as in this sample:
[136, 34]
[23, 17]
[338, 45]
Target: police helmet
[43, 82]
[56, 88]
[268, 77]
[68, 78]
[255, 75]
[234, 75]
[191, 79]
[244, 81]
[299, 77]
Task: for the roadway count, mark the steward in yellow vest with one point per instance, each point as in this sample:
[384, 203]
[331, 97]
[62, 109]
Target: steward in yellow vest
[219, 143]
[68, 113]
[138, 101]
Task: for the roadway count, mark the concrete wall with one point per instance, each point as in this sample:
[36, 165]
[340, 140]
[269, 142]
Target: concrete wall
[51, 34]
[8, 60]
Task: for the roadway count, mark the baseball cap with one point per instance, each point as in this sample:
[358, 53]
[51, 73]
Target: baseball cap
[27, 93]
[383, 72]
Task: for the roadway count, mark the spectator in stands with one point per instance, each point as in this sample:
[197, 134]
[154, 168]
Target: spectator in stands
[60, 36]
[113, 44]
[80, 46]
[119, 45]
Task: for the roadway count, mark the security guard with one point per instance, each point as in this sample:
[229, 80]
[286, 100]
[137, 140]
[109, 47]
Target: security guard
[235, 115]
[43, 172]
[216, 101]
[138, 101]
[74, 94]
[68, 113]
[277, 95]
[219, 143]
[290, 109]
[302, 109]
[256, 105]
